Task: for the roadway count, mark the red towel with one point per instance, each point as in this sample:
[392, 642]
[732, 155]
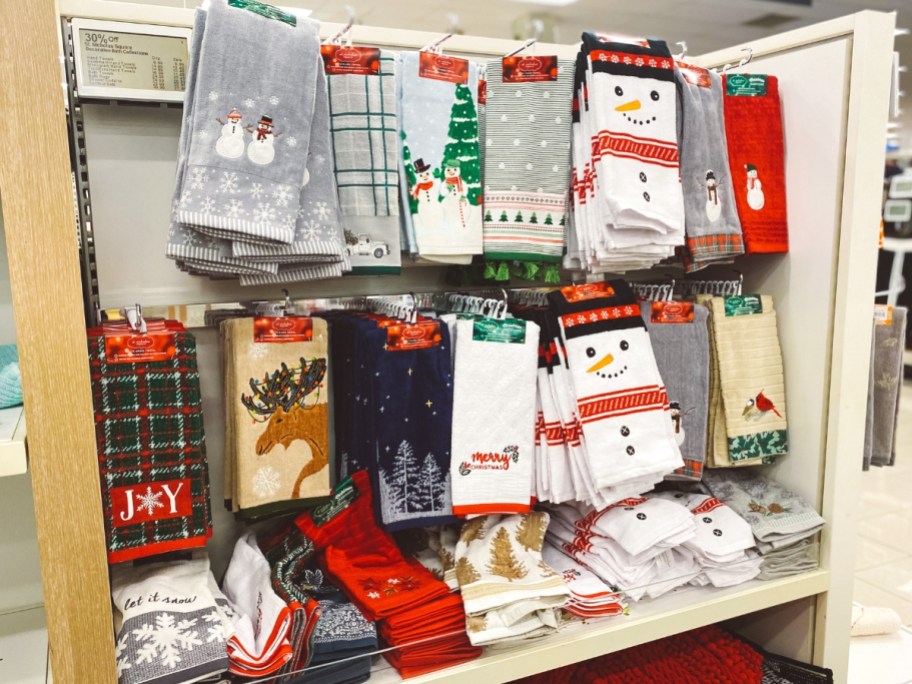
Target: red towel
[753, 129]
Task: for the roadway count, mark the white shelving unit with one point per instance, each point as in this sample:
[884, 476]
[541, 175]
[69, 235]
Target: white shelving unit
[13, 458]
[834, 79]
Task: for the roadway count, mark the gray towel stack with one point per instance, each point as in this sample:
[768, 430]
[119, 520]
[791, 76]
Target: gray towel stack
[255, 194]
[884, 387]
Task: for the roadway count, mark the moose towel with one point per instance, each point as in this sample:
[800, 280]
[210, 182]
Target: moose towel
[278, 415]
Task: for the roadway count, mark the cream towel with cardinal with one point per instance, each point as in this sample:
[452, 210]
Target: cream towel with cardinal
[277, 422]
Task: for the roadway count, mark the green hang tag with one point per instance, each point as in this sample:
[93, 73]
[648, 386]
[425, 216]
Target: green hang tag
[745, 84]
[343, 496]
[743, 305]
[510, 330]
[264, 10]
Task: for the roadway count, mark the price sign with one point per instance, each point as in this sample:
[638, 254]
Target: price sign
[130, 61]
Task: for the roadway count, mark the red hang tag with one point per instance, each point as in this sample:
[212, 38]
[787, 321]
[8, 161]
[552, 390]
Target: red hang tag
[697, 76]
[584, 291]
[403, 336]
[621, 38]
[482, 91]
[443, 68]
[283, 329]
[672, 312]
[355, 61]
[124, 345]
[529, 68]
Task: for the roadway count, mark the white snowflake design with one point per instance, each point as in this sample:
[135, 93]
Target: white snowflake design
[213, 95]
[207, 205]
[321, 209]
[291, 141]
[122, 663]
[228, 182]
[203, 134]
[264, 212]
[166, 640]
[149, 502]
[257, 350]
[235, 209]
[282, 196]
[373, 594]
[289, 221]
[256, 190]
[197, 178]
[311, 230]
[265, 482]
[218, 629]
[273, 100]
[301, 212]
[249, 103]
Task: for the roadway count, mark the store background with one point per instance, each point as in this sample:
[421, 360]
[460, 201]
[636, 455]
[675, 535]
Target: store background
[884, 553]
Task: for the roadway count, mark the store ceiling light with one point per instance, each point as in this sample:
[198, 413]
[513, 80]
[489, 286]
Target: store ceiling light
[547, 3]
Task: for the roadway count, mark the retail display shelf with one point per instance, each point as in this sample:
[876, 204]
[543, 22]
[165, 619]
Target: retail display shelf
[679, 611]
[13, 460]
[23, 647]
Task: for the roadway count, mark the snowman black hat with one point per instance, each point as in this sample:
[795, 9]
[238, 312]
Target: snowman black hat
[420, 166]
[265, 120]
[710, 175]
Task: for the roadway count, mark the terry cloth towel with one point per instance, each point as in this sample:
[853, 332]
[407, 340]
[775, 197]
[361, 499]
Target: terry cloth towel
[260, 645]
[433, 547]
[756, 154]
[508, 591]
[777, 516]
[278, 418]
[874, 621]
[526, 165]
[751, 380]
[491, 466]
[710, 214]
[683, 357]
[169, 628]
[621, 399]
[362, 121]
[589, 595]
[441, 172]
[151, 450]
[10, 377]
[248, 118]
[886, 383]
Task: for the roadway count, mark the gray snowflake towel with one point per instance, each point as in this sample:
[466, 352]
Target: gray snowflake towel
[169, 626]
[886, 383]
[249, 123]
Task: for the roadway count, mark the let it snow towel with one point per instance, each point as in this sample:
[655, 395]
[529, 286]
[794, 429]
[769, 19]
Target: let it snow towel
[151, 451]
[439, 134]
[756, 154]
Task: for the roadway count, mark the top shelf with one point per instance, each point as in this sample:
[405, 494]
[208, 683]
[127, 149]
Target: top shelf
[13, 459]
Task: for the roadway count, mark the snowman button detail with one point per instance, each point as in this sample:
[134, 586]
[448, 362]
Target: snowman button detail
[642, 176]
[707, 520]
[646, 196]
[631, 451]
[625, 431]
[717, 532]
[641, 516]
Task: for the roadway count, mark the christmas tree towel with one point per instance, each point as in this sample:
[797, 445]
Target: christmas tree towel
[168, 626]
[151, 450]
[439, 135]
[527, 164]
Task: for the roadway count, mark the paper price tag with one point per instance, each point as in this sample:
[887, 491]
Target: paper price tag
[123, 345]
[443, 68]
[529, 68]
[422, 335]
[695, 75]
[343, 496]
[743, 306]
[883, 314]
[510, 331]
[264, 10]
[582, 292]
[283, 329]
[745, 84]
[672, 312]
[356, 61]
[482, 91]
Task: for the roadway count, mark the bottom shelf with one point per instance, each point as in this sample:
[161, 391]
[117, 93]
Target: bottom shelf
[24, 647]
[681, 610]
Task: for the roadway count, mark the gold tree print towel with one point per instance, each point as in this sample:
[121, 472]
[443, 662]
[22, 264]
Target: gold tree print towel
[277, 427]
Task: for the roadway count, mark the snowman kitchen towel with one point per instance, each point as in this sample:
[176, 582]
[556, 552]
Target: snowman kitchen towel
[249, 121]
[527, 160]
[439, 135]
[753, 128]
[362, 121]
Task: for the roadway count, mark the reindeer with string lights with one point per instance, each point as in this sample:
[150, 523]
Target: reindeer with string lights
[281, 398]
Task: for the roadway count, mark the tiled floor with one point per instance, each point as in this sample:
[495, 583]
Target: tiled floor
[883, 556]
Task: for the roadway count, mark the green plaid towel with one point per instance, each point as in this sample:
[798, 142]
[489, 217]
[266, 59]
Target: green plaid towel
[151, 451]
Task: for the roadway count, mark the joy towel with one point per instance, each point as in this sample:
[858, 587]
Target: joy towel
[710, 214]
[151, 451]
[278, 417]
[493, 417]
[751, 377]
[756, 154]
[886, 382]
[248, 120]
[362, 120]
[439, 135]
[168, 626]
[527, 164]
[682, 355]
[507, 589]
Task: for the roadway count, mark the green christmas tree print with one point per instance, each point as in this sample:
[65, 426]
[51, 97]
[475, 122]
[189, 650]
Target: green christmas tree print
[488, 216]
[548, 220]
[503, 217]
[410, 176]
[563, 220]
[463, 143]
[519, 218]
[533, 218]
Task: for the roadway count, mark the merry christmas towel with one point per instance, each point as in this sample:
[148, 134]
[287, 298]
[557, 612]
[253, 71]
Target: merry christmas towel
[756, 154]
[151, 450]
[527, 164]
[439, 136]
[278, 415]
[168, 626]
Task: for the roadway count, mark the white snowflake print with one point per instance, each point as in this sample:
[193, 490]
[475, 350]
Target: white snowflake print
[503, 117]
[257, 350]
[203, 134]
[529, 166]
[392, 580]
[256, 190]
[249, 103]
[149, 502]
[207, 205]
[213, 96]
[122, 663]
[321, 209]
[235, 209]
[264, 212]
[197, 178]
[265, 482]
[544, 143]
[512, 188]
[282, 196]
[166, 640]
[531, 117]
[311, 230]
[273, 100]
[516, 142]
[518, 93]
[291, 141]
[228, 183]
[373, 594]
[289, 221]
[546, 95]
[301, 212]
[218, 630]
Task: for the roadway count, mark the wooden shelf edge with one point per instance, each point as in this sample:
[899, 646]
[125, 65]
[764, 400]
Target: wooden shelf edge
[682, 610]
[13, 458]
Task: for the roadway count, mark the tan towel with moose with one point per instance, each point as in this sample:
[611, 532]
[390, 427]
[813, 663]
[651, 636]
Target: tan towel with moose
[277, 422]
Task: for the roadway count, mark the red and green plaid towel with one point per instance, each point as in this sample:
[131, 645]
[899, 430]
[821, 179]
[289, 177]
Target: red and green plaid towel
[151, 451]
